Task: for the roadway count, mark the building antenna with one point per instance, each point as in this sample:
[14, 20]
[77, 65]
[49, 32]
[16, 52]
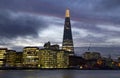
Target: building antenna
[89, 47]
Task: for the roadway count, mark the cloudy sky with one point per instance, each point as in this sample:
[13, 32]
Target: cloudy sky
[34, 22]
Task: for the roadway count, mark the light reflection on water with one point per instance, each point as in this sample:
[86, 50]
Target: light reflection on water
[59, 74]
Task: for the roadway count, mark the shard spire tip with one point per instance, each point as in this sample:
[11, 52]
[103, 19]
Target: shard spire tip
[67, 13]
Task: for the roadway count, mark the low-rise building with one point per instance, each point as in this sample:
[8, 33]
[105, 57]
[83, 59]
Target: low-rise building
[76, 61]
[53, 58]
[47, 58]
[10, 58]
[91, 55]
[30, 56]
[19, 59]
[62, 59]
[3, 52]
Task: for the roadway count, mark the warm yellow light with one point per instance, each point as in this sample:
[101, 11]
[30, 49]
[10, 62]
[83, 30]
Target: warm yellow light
[67, 13]
[1, 62]
[119, 64]
[81, 67]
[99, 62]
[112, 62]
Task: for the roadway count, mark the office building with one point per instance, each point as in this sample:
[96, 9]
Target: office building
[53, 58]
[47, 58]
[10, 58]
[3, 52]
[19, 59]
[67, 44]
[62, 59]
[91, 55]
[30, 56]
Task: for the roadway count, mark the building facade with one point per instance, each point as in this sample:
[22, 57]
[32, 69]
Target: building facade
[10, 58]
[19, 59]
[30, 56]
[53, 58]
[47, 58]
[91, 55]
[67, 44]
[76, 61]
[3, 52]
[62, 59]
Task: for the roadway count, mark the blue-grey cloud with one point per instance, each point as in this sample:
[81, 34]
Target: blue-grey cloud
[82, 10]
[13, 25]
[109, 5]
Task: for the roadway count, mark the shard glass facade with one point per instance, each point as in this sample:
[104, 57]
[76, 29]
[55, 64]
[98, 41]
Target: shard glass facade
[67, 44]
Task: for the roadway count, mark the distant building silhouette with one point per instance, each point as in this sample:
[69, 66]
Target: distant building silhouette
[76, 61]
[67, 36]
[52, 47]
[91, 55]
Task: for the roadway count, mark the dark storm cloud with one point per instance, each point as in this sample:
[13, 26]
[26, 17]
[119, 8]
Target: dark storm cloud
[86, 26]
[81, 10]
[13, 25]
[109, 4]
[36, 6]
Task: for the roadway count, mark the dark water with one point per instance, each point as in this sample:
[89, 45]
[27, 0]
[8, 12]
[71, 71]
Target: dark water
[105, 51]
[59, 74]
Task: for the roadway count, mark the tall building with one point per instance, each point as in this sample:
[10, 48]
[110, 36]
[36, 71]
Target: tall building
[67, 44]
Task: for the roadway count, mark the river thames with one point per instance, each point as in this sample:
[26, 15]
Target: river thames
[59, 74]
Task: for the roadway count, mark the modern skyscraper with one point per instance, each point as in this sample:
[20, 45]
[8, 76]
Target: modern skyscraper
[67, 36]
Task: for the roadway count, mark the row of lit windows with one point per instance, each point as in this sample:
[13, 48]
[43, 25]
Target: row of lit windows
[1, 62]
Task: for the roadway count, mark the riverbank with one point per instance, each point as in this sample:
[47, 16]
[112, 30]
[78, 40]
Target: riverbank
[29, 68]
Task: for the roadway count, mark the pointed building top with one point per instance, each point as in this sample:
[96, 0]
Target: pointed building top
[67, 13]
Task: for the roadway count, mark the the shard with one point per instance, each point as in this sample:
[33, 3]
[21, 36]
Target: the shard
[67, 36]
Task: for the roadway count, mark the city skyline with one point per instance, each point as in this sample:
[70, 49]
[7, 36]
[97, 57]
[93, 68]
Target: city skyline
[34, 22]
